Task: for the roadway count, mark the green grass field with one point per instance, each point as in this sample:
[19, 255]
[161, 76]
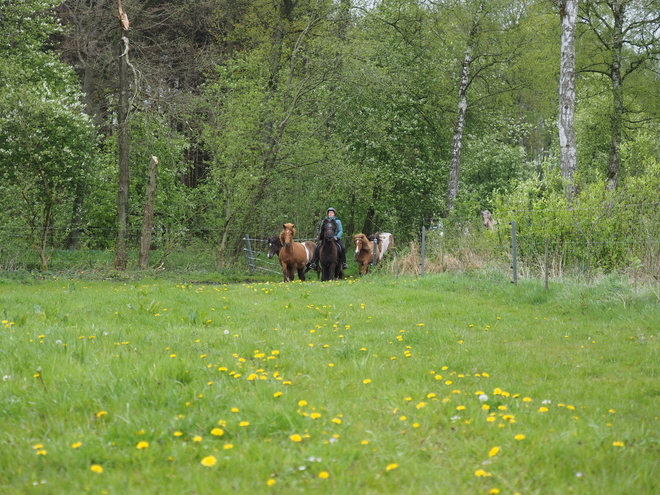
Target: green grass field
[457, 384]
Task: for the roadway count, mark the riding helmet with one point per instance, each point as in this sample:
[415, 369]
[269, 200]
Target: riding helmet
[331, 209]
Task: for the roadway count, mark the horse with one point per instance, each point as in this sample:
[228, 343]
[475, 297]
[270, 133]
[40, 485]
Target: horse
[294, 256]
[275, 245]
[331, 268]
[364, 249]
[364, 252]
[385, 241]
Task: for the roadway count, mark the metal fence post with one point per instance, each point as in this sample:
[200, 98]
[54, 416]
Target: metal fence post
[546, 263]
[423, 249]
[375, 260]
[249, 251]
[514, 251]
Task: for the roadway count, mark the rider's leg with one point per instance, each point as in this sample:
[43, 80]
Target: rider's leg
[315, 259]
[342, 255]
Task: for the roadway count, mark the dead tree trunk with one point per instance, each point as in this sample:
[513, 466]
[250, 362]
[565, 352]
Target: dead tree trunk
[121, 250]
[147, 223]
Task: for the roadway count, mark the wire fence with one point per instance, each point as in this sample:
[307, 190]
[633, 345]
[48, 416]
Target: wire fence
[546, 243]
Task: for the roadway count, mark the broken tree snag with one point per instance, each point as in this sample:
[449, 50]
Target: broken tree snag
[147, 223]
[123, 17]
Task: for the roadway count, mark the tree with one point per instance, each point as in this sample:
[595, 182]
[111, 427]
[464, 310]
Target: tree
[568, 10]
[46, 140]
[622, 38]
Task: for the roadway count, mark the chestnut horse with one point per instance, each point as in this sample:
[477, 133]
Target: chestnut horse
[331, 268]
[364, 249]
[275, 245]
[293, 256]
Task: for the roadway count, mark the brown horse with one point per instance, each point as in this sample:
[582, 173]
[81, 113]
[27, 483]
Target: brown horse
[364, 253]
[364, 249]
[293, 256]
[331, 268]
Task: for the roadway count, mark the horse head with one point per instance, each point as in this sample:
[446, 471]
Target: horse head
[361, 242]
[328, 229]
[274, 246]
[287, 235]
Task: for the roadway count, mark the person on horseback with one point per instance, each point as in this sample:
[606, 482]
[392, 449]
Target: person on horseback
[331, 213]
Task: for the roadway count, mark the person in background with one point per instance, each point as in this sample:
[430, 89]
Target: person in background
[331, 213]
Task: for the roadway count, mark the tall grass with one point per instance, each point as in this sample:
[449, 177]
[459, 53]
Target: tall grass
[446, 384]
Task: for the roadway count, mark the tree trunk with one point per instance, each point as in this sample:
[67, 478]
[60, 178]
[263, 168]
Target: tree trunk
[454, 168]
[568, 147]
[618, 9]
[121, 250]
[147, 224]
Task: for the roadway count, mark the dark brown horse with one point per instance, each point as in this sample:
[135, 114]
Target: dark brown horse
[293, 256]
[331, 268]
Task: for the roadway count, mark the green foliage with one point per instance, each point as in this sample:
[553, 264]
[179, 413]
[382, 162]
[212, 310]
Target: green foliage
[46, 141]
[599, 230]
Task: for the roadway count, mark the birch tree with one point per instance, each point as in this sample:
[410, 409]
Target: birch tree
[568, 10]
[625, 38]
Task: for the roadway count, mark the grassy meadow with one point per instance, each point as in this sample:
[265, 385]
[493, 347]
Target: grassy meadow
[457, 384]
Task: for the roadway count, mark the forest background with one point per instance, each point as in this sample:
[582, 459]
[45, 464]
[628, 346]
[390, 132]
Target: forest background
[394, 112]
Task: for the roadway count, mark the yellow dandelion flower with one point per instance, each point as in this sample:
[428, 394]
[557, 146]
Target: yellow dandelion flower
[315, 415]
[277, 394]
[527, 399]
[543, 409]
[142, 445]
[41, 452]
[234, 409]
[96, 468]
[296, 438]
[197, 438]
[324, 475]
[336, 421]
[460, 408]
[228, 446]
[494, 491]
[217, 432]
[178, 433]
[208, 461]
[76, 445]
[302, 403]
[271, 482]
[481, 473]
[364, 442]
[389, 467]
[519, 437]
[244, 423]
[367, 381]
[618, 444]
[100, 414]
[493, 452]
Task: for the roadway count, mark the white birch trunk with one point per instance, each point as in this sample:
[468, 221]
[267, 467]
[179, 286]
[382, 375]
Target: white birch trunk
[568, 154]
[457, 145]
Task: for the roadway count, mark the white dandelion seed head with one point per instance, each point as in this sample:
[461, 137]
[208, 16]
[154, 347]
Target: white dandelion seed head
[483, 397]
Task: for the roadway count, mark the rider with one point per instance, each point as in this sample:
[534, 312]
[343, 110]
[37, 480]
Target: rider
[331, 213]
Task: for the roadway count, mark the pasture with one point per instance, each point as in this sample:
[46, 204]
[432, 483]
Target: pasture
[461, 384]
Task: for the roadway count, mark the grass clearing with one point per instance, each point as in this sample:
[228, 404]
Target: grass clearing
[445, 384]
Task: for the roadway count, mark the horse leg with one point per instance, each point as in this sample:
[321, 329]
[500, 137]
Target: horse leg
[301, 273]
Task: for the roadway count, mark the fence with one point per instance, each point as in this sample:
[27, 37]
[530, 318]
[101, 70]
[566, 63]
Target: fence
[549, 243]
